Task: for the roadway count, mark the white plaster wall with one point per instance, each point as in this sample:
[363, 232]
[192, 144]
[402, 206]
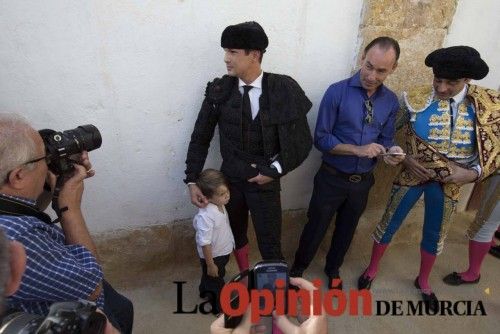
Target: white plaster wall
[138, 69]
[477, 24]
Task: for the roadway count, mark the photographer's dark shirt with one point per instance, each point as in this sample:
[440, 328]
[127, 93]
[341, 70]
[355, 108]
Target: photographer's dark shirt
[55, 271]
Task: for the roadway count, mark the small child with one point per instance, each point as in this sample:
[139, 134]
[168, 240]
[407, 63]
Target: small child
[214, 239]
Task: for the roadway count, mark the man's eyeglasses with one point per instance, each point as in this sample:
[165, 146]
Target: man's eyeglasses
[46, 157]
[369, 111]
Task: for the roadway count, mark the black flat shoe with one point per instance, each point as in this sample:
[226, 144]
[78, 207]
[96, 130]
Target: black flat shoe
[330, 282]
[495, 251]
[455, 279]
[364, 282]
[430, 300]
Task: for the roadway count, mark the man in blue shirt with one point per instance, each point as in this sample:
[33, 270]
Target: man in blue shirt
[62, 264]
[355, 125]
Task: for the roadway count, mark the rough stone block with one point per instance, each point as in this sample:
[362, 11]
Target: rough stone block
[409, 14]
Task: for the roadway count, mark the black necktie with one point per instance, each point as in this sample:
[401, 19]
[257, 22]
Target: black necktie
[246, 110]
[246, 106]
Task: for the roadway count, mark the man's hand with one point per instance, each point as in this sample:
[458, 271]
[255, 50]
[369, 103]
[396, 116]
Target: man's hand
[84, 160]
[370, 150]
[460, 176]
[197, 197]
[245, 327]
[70, 196]
[72, 189]
[109, 329]
[260, 179]
[415, 168]
[315, 324]
[394, 160]
[212, 269]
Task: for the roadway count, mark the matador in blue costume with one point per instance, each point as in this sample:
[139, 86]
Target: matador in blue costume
[452, 138]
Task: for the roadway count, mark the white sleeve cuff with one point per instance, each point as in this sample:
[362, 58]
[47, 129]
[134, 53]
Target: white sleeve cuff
[478, 169]
[277, 165]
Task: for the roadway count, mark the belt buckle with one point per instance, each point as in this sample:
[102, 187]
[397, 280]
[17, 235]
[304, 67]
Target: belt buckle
[354, 178]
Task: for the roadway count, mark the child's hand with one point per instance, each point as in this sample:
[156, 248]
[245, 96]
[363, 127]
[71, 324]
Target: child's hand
[212, 270]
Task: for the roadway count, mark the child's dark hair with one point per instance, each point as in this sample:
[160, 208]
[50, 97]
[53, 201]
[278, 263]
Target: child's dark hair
[209, 180]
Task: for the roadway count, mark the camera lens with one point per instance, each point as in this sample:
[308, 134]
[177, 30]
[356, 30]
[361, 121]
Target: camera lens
[60, 146]
[85, 138]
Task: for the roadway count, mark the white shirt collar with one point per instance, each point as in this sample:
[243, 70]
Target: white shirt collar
[460, 96]
[257, 83]
[211, 207]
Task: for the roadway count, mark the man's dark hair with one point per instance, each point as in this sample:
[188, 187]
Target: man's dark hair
[247, 52]
[209, 180]
[385, 43]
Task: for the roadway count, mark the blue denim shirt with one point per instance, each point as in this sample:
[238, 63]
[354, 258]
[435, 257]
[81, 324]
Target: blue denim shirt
[341, 120]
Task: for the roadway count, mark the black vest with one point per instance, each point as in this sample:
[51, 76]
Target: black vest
[252, 135]
[245, 140]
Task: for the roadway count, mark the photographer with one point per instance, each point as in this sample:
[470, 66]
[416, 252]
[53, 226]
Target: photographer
[12, 267]
[62, 264]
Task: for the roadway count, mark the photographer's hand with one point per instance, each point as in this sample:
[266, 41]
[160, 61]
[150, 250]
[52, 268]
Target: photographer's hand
[245, 327]
[109, 329]
[71, 192]
[83, 159]
[315, 324]
[72, 221]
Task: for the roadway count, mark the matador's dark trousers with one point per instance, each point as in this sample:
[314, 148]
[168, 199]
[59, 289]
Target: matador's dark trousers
[265, 209]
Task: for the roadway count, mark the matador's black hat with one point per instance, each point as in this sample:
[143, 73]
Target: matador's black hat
[457, 62]
[247, 35]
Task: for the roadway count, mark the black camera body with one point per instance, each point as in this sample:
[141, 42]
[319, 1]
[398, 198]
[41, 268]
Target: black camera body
[60, 146]
[76, 317]
[262, 276]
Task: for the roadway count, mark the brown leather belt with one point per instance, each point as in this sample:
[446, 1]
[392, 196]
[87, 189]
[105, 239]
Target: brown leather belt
[354, 178]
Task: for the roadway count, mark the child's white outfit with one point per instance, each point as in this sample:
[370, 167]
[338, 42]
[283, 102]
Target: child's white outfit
[212, 228]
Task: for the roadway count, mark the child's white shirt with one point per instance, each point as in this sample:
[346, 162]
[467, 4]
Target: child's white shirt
[212, 228]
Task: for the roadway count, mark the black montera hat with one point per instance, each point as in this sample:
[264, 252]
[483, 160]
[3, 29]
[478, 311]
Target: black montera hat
[457, 62]
[247, 35]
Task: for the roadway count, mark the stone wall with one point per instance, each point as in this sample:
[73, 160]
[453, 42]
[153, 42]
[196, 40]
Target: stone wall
[419, 26]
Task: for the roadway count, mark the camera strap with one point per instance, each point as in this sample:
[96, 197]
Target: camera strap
[12, 207]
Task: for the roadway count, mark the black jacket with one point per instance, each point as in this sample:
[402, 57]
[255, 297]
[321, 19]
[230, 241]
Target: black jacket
[283, 109]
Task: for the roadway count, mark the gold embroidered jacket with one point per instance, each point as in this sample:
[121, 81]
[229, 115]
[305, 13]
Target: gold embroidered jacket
[486, 103]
